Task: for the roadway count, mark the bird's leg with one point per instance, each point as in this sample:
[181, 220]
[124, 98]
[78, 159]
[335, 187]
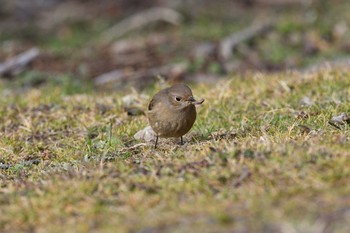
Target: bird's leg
[182, 141]
[155, 145]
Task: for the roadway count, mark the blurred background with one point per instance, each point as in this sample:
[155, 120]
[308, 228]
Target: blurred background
[113, 44]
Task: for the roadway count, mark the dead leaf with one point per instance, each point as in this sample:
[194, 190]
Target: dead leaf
[304, 129]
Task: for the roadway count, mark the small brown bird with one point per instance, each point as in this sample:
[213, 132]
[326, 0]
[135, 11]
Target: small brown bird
[172, 112]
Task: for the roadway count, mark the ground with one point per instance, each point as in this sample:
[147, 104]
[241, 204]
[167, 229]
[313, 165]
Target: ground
[269, 151]
[260, 158]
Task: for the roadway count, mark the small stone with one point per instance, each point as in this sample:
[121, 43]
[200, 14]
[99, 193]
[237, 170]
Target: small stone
[146, 134]
[307, 101]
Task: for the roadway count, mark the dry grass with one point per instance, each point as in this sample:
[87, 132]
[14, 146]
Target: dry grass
[261, 158]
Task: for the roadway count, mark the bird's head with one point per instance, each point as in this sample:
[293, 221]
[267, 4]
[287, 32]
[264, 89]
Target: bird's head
[180, 96]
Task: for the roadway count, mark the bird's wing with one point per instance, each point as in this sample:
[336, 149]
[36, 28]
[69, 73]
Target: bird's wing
[157, 99]
[151, 104]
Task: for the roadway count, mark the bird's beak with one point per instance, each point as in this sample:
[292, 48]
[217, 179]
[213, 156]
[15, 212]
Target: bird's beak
[194, 101]
[191, 99]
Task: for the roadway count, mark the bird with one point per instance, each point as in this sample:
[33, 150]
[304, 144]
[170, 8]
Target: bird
[172, 112]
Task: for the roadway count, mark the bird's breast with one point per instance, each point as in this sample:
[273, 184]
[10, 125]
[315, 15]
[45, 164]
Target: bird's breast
[173, 123]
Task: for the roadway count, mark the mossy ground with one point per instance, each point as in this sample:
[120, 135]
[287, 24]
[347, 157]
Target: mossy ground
[257, 160]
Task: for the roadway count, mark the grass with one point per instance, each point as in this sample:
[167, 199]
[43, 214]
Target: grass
[261, 156]
[69, 162]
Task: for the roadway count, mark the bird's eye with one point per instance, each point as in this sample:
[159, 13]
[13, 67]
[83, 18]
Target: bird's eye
[178, 98]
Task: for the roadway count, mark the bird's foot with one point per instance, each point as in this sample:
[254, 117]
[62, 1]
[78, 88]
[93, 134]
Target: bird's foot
[182, 141]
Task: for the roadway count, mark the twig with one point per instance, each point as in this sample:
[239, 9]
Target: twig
[17, 63]
[141, 19]
[326, 64]
[334, 125]
[340, 120]
[245, 173]
[229, 43]
[120, 76]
